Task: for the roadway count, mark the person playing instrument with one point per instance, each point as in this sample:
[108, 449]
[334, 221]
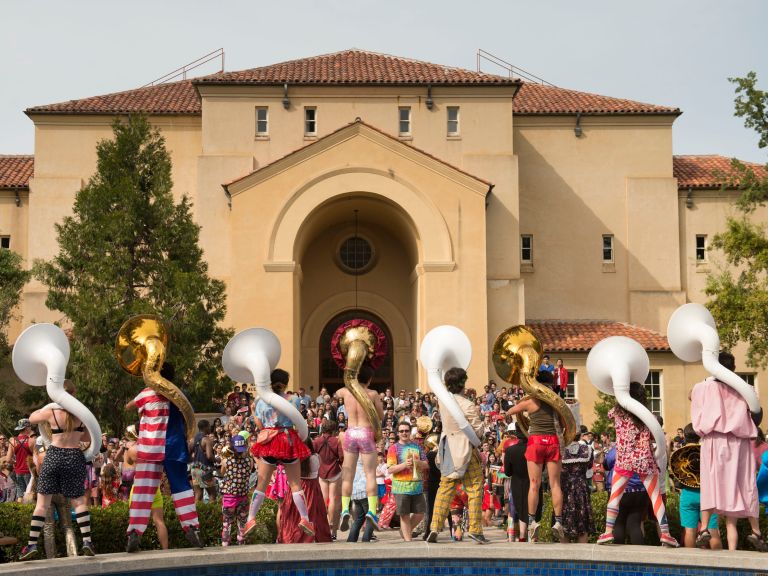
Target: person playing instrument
[543, 450]
[359, 441]
[690, 507]
[278, 442]
[465, 465]
[634, 454]
[62, 472]
[721, 417]
[162, 446]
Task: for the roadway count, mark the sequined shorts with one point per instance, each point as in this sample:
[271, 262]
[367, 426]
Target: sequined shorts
[359, 440]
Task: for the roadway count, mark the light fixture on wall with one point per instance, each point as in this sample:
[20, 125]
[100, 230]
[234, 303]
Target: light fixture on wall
[577, 129]
[429, 102]
[18, 199]
[689, 199]
[286, 100]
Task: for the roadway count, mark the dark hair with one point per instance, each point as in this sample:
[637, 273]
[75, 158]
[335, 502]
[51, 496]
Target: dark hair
[329, 426]
[727, 360]
[690, 434]
[365, 375]
[279, 377]
[637, 392]
[203, 425]
[168, 371]
[455, 379]
[544, 377]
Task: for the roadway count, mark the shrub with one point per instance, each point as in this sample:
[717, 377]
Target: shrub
[109, 525]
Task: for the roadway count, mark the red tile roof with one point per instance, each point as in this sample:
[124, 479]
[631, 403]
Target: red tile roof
[582, 335]
[706, 171]
[356, 67]
[361, 123]
[175, 98]
[351, 67]
[15, 172]
[537, 99]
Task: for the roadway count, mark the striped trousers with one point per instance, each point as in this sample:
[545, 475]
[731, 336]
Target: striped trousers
[145, 483]
[473, 486]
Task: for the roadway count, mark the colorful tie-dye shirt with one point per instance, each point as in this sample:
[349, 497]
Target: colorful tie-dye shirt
[404, 481]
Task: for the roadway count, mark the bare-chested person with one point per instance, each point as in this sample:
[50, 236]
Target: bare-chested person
[359, 439]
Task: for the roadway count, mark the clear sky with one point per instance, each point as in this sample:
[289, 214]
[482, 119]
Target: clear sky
[669, 52]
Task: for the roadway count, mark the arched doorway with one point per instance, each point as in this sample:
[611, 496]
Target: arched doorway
[331, 376]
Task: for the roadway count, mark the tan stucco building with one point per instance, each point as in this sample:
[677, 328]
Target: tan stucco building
[458, 197]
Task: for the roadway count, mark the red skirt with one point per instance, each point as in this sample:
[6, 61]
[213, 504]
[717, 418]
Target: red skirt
[285, 446]
[289, 531]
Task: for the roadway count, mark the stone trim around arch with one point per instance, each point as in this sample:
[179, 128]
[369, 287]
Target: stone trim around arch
[434, 244]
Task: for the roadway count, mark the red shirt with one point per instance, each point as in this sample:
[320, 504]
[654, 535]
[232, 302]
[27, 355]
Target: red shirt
[20, 452]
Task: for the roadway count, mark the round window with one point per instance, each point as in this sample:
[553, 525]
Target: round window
[356, 255]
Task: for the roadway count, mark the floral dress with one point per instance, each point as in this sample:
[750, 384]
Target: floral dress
[634, 452]
[577, 506]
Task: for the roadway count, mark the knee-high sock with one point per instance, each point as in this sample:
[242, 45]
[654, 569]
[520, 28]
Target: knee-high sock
[186, 510]
[145, 483]
[35, 528]
[256, 501]
[617, 491]
[84, 523]
[652, 486]
[301, 504]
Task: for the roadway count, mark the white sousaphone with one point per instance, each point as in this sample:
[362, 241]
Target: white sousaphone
[443, 348]
[612, 364]
[692, 335]
[250, 357]
[40, 358]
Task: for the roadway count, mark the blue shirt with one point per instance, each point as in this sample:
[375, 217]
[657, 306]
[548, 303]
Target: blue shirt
[271, 418]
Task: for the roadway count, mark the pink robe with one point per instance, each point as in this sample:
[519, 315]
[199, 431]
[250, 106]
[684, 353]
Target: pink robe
[721, 417]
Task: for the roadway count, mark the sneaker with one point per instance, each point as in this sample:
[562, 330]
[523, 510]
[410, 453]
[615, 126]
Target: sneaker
[668, 540]
[605, 538]
[533, 531]
[372, 519]
[344, 524]
[479, 538]
[558, 532]
[193, 537]
[432, 538]
[29, 552]
[134, 539]
[88, 549]
[757, 542]
[250, 525]
[307, 527]
[224, 544]
[703, 538]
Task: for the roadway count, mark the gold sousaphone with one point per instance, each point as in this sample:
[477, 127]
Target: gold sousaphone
[685, 465]
[140, 350]
[357, 344]
[516, 355]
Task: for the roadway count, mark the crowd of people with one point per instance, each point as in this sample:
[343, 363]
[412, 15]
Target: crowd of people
[345, 478]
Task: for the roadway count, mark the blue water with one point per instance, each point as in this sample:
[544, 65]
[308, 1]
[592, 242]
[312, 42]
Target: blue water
[459, 567]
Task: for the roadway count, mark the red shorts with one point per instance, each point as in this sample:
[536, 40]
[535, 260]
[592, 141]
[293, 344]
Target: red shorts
[542, 449]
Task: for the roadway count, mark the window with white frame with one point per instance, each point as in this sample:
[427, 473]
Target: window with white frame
[701, 247]
[607, 247]
[404, 120]
[653, 392]
[262, 121]
[453, 120]
[570, 392]
[5, 242]
[310, 121]
[750, 378]
[526, 248]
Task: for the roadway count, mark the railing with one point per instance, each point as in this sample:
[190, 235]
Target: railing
[511, 69]
[191, 66]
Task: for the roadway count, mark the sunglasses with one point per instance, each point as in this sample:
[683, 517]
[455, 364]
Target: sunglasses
[404, 431]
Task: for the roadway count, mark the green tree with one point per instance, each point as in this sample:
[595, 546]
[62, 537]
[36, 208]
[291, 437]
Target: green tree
[129, 249]
[739, 292]
[13, 277]
[601, 408]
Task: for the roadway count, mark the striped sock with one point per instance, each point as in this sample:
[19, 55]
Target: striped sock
[35, 528]
[652, 486]
[186, 510]
[84, 523]
[612, 511]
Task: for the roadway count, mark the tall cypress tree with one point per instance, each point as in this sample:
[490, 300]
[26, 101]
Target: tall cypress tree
[129, 249]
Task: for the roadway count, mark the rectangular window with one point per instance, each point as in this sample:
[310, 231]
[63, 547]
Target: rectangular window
[404, 117]
[607, 247]
[453, 120]
[751, 379]
[262, 121]
[701, 247]
[571, 390]
[653, 391]
[5, 242]
[526, 248]
[310, 121]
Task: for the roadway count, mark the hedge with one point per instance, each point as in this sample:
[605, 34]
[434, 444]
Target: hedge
[109, 525]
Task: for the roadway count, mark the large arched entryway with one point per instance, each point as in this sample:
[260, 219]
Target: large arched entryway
[331, 376]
